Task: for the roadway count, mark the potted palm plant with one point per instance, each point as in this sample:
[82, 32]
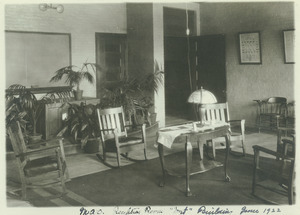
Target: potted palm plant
[134, 94]
[14, 112]
[74, 75]
[27, 101]
[145, 86]
[81, 123]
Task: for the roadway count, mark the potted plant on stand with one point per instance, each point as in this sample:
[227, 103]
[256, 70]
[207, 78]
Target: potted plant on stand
[74, 75]
[14, 112]
[81, 123]
[27, 101]
[147, 85]
[135, 94]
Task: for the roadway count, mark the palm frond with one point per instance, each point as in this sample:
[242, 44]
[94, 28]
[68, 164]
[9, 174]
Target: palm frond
[88, 76]
[62, 72]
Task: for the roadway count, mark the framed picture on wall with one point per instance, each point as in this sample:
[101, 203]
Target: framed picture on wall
[288, 42]
[250, 48]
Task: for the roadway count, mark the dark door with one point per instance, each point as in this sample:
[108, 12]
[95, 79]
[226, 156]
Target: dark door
[206, 56]
[209, 62]
[177, 87]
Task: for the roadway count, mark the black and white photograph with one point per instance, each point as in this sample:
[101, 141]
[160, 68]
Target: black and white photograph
[149, 107]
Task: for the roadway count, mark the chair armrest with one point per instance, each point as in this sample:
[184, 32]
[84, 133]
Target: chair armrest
[258, 148]
[287, 141]
[45, 142]
[265, 150]
[138, 125]
[142, 128]
[46, 148]
[258, 101]
[128, 126]
[286, 129]
[36, 151]
[109, 129]
[238, 122]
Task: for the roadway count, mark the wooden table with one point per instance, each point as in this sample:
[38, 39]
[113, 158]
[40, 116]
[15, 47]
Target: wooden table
[166, 137]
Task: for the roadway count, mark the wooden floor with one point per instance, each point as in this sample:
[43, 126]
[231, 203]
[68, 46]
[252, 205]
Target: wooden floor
[80, 164]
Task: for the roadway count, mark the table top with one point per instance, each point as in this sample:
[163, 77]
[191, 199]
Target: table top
[167, 135]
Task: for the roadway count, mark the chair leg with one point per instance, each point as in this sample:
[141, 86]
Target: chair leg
[259, 123]
[243, 146]
[119, 159]
[290, 194]
[255, 166]
[145, 153]
[213, 149]
[24, 191]
[24, 182]
[104, 151]
[62, 180]
[61, 171]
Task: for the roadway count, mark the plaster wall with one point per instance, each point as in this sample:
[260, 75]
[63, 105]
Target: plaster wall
[81, 20]
[248, 82]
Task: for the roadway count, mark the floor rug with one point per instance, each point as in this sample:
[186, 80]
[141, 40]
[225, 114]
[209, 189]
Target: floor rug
[138, 184]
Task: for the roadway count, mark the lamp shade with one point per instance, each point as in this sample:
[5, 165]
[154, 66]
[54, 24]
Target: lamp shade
[202, 96]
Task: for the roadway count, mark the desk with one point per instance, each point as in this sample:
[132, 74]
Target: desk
[166, 137]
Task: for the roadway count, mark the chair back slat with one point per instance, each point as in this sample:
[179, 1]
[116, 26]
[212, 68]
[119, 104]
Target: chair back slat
[275, 105]
[111, 119]
[214, 112]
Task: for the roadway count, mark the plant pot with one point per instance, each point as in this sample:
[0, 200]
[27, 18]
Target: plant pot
[92, 146]
[140, 119]
[78, 94]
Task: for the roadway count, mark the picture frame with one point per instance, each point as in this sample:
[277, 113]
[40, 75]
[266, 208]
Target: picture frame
[250, 48]
[288, 44]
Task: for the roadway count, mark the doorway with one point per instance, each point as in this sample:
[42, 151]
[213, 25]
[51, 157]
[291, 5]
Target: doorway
[206, 56]
[177, 82]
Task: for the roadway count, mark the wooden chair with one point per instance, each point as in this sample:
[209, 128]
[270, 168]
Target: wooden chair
[271, 112]
[114, 134]
[41, 167]
[218, 112]
[281, 170]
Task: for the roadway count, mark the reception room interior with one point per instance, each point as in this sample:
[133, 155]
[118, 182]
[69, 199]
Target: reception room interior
[150, 59]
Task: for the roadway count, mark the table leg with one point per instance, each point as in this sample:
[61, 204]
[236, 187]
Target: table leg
[200, 148]
[227, 178]
[162, 162]
[188, 157]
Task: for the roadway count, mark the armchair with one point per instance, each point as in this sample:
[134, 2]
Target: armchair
[40, 167]
[271, 112]
[211, 113]
[114, 134]
[281, 169]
